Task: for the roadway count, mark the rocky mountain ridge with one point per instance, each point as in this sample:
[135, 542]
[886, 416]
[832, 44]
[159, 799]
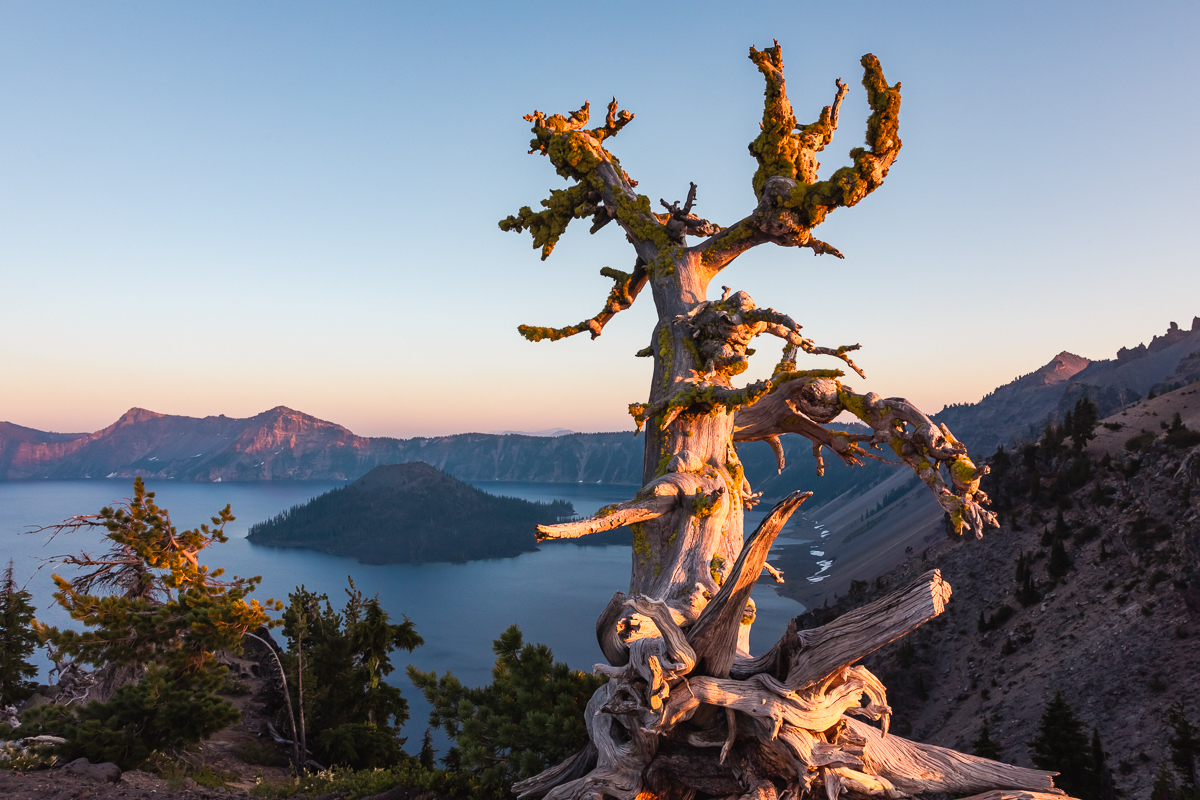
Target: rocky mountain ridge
[1107, 609]
[1021, 408]
[878, 511]
[283, 444]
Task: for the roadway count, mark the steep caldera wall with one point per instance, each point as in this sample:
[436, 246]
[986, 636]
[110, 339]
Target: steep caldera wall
[282, 444]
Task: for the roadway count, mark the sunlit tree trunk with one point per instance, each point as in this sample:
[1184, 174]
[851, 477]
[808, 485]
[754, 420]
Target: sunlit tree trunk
[687, 710]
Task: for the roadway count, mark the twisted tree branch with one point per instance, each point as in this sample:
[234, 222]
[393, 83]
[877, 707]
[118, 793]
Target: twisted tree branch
[626, 287]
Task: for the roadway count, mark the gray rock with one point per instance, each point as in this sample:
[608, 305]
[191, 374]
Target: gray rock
[33, 701]
[106, 772]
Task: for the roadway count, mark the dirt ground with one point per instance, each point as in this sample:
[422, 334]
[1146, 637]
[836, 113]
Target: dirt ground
[1147, 415]
[57, 785]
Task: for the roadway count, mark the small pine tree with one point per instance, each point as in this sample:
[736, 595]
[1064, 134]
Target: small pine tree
[1063, 747]
[529, 718]
[345, 657]
[985, 746]
[1084, 422]
[1103, 787]
[1185, 745]
[1059, 532]
[1059, 563]
[149, 602]
[1027, 593]
[1061, 529]
[426, 757]
[17, 641]
[1164, 785]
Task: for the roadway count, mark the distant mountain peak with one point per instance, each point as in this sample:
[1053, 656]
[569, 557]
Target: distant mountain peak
[284, 410]
[133, 416]
[136, 414]
[1062, 368]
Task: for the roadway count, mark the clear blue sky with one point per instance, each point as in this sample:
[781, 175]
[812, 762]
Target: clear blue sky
[221, 207]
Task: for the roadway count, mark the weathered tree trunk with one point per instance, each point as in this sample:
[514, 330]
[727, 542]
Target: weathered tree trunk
[687, 710]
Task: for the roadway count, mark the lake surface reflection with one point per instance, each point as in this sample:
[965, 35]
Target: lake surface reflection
[554, 595]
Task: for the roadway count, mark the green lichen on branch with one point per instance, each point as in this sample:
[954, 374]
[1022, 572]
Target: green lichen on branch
[716, 569]
[729, 243]
[577, 153]
[705, 505]
[783, 147]
[849, 185]
[626, 287]
[792, 201]
[714, 397]
[641, 544]
[780, 378]
[549, 225]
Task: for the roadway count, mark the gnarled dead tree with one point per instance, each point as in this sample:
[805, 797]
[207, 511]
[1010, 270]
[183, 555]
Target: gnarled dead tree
[688, 712]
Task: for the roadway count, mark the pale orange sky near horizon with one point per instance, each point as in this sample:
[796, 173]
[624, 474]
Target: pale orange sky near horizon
[221, 209]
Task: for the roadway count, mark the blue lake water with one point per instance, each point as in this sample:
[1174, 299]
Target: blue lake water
[554, 595]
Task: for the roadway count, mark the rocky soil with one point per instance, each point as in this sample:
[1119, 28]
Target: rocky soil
[1119, 634]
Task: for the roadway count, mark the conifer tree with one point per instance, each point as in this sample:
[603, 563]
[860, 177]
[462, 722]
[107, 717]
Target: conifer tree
[529, 718]
[150, 605]
[1059, 532]
[426, 757]
[1102, 782]
[1027, 593]
[1163, 787]
[17, 641]
[341, 660]
[984, 746]
[1083, 423]
[1185, 745]
[1059, 563]
[1062, 746]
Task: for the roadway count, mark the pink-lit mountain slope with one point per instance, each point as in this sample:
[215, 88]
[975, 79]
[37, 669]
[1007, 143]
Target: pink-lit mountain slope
[1022, 408]
[282, 444]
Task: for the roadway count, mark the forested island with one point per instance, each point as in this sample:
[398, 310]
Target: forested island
[410, 514]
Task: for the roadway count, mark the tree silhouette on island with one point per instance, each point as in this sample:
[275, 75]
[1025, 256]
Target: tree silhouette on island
[686, 709]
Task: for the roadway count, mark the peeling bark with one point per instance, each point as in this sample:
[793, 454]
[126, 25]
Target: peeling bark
[688, 711]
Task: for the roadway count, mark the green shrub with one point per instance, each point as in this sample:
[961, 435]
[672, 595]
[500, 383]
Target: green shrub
[262, 754]
[1178, 434]
[175, 772]
[353, 784]
[1139, 442]
[234, 687]
[159, 713]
